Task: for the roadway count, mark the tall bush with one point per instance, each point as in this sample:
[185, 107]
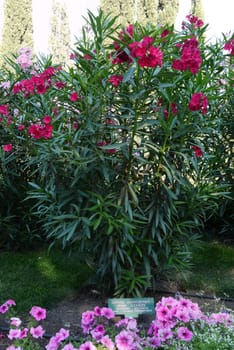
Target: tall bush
[119, 149]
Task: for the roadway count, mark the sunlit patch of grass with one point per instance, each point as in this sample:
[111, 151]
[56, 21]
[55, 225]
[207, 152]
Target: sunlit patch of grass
[39, 277]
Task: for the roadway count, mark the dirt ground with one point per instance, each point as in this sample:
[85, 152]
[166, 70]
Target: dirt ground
[67, 313]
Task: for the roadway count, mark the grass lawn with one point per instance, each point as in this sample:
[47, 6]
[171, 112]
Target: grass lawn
[213, 270]
[39, 278]
[42, 278]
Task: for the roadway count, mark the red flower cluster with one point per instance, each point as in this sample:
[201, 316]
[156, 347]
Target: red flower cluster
[120, 55]
[190, 57]
[197, 151]
[198, 102]
[41, 130]
[115, 80]
[229, 46]
[146, 53]
[37, 84]
[195, 21]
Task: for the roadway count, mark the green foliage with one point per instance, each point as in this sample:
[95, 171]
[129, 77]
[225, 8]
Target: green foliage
[17, 27]
[60, 40]
[118, 178]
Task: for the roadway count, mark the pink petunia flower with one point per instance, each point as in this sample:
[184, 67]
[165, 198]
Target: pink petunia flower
[37, 332]
[88, 345]
[107, 312]
[124, 340]
[184, 333]
[38, 313]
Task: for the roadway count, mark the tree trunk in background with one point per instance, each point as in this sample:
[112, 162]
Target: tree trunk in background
[60, 36]
[197, 9]
[17, 26]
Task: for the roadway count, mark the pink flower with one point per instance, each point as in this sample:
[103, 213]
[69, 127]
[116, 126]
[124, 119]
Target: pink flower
[68, 346]
[185, 334]
[37, 332]
[23, 333]
[38, 313]
[98, 332]
[74, 96]
[107, 342]
[198, 102]
[88, 345]
[10, 302]
[12, 347]
[7, 148]
[4, 308]
[14, 334]
[15, 321]
[115, 80]
[24, 61]
[107, 312]
[124, 340]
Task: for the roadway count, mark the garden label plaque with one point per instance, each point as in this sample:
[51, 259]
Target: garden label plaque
[132, 307]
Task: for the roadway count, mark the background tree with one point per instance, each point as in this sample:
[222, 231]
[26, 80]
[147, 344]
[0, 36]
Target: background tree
[167, 11]
[147, 11]
[124, 10]
[17, 27]
[197, 9]
[60, 36]
[143, 11]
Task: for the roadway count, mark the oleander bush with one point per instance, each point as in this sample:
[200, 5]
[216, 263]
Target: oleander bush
[123, 155]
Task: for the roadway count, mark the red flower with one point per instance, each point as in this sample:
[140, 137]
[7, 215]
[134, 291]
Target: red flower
[60, 85]
[115, 80]
[46, 119]
[198, 102]
[7, 148]
[164, 33]
[197, 151]
[74, 96]
[40, 131]
[4, 109]
[190, 57]
[229, 46]
[148, 55]
[197, 23]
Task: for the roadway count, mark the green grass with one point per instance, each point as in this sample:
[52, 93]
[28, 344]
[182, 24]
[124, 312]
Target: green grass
[213, 270]
[39, 278]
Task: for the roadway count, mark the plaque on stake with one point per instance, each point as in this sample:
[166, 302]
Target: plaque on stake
[132, 307]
